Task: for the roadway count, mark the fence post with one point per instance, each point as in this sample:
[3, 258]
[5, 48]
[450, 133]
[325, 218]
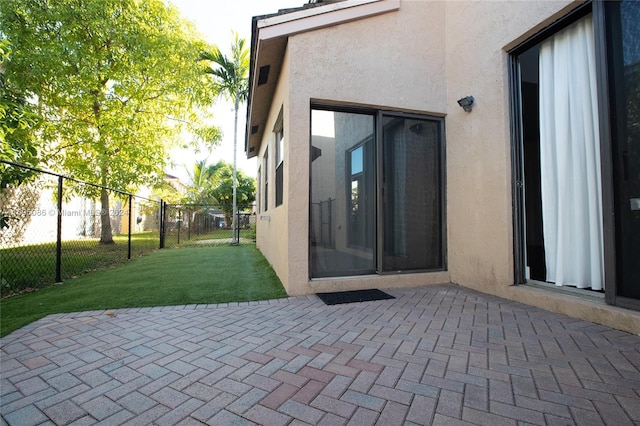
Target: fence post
[129, 241]
[160, 214]
[237, 230]
[59, 233]
[179, 222]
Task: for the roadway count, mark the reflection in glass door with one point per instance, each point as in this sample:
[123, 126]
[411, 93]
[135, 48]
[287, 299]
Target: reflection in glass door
[342, 194]
[376, 193]
[412, 230]
[624, 51]
[361, 199]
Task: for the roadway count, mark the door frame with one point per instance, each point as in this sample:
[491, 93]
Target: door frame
[610, 236]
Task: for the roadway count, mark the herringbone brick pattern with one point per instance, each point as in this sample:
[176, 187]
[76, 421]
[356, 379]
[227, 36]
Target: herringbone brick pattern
[434, 355]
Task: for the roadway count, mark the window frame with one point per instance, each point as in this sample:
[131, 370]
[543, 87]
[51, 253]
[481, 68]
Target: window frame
[259, 192]
[265, 161]
[360, 179]
[278, 131]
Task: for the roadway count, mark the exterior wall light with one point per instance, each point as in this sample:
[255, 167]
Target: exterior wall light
[466, 103]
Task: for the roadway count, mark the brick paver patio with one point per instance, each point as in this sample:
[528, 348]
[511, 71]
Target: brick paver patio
[434, 355]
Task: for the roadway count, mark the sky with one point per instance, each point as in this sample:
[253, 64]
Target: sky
[216, 19]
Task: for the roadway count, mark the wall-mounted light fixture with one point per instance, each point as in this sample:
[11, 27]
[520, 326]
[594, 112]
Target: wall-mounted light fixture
[466, 103]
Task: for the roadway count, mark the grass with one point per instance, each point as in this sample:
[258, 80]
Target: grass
[34, 266]
[188, 275]
[218, 234]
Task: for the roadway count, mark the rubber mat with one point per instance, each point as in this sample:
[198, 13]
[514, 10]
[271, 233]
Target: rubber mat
[353, 296]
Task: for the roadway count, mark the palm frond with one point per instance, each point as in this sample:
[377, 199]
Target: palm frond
[230, 74]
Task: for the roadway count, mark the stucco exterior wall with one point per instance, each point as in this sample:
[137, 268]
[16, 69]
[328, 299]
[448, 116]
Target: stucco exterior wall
[272, 229]
[479, 143]
[479, 35]
[371, 63]
[421, 58]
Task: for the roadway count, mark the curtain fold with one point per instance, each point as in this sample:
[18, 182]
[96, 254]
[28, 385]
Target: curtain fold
[570, 158]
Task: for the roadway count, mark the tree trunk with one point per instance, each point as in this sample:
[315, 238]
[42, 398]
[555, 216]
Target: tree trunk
[106, 236]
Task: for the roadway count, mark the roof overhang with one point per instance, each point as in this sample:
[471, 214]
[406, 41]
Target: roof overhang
[269, 37]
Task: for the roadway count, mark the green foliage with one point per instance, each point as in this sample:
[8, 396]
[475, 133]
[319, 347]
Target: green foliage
[117, 81]
[222, 178]
[168, 193]
[200, 190]
[18, 123]
[230, 73]
[231, 76]
[214, 185]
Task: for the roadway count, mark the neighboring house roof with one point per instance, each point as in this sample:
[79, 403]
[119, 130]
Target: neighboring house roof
[175, 181]
[269, 37]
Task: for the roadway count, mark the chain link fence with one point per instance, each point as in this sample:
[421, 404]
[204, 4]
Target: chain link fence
[53, 227]
[207, 224]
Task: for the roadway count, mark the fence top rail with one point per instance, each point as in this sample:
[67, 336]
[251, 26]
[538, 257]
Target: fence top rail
[190, 205]
[95, 185]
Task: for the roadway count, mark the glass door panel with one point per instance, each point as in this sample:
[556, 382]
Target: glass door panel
[624, 48]
[411, 203]
[342, 194]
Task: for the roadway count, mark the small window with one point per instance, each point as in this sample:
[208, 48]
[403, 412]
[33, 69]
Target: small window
[258, 205]
[278, 131]
[266, 179]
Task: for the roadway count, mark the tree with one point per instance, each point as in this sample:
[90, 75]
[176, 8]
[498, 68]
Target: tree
[222, 179]
[18, 144]
[116, 81]
[201, 184]
[231, 75]
[18, 124]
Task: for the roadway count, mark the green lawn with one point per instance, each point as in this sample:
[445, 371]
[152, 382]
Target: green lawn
[188, 275]
[186, 238]
[34, 266]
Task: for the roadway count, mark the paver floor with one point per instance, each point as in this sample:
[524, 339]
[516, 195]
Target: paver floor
[434, 355]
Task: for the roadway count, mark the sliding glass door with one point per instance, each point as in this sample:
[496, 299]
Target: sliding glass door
[562, 180]
[577, 156]
[376, 193]
[623, 47]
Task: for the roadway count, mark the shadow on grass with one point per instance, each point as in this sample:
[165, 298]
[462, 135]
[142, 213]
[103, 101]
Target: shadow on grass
[180, 276]
[33, 266]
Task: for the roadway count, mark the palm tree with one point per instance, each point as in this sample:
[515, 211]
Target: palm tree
[231, 75]
[200, 189]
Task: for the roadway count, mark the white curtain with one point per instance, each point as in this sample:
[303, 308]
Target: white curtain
[570, 158]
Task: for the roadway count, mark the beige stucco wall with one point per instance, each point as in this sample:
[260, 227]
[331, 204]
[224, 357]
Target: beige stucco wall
[479, 194]
[479, 143]
[373, 63]
[272, 231]
[422, 58]
[370, 62]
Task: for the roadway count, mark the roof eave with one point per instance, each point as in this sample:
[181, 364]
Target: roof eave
[269, 37]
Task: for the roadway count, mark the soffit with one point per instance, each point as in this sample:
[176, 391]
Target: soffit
[270, 34]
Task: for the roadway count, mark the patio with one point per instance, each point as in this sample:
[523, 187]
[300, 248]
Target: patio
[434, 355]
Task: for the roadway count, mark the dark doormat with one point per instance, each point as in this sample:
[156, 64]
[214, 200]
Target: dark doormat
[353, 296]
